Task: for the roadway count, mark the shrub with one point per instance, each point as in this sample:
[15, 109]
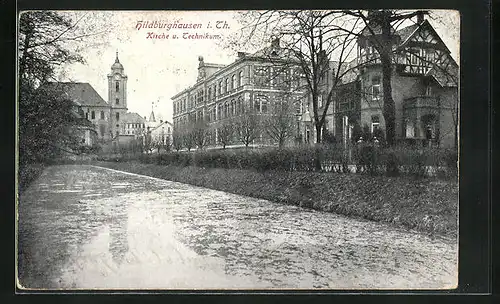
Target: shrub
[392, 164]
[416, 163]
[368, 159]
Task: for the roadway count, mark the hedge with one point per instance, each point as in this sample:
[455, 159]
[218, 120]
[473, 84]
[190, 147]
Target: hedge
[367, 159]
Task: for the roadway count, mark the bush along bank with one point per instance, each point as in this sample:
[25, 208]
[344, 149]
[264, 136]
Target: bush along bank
[427, 205]
[362, 158]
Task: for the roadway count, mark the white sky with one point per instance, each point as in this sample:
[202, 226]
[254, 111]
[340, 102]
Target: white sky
[157, 69]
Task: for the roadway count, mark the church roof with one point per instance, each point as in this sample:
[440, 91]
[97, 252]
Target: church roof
[152, 117]
[80, 92]
[117, 65]
[133, 118]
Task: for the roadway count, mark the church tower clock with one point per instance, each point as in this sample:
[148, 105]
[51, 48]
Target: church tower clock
[117, 97]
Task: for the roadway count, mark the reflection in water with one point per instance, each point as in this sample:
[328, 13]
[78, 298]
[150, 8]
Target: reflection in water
[118, 244]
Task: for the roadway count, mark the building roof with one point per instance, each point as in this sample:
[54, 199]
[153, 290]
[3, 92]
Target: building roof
[133, 118]
[81, 93]
[163, 123]
[406, 32]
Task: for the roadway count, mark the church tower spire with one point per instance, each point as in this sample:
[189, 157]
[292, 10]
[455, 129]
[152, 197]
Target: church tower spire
[117, 96]
[152, 115]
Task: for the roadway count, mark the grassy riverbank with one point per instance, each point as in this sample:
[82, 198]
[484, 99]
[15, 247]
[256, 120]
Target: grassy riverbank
[427, 205]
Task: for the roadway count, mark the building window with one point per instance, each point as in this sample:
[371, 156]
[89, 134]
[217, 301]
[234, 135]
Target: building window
[117, 116]
[240, 78]
[102, 115]
[375, 123]
[298, 107]
[93, 115]
[102, 128]
[320, 101]
[263, 105]
[235, 84]
[87, 115]
[428, 91]
[117, 86]
[227, 85]
[118, 101]
[410, 129]
[376, 92]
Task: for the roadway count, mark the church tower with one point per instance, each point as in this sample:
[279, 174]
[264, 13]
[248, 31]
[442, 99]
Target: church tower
[117, 98]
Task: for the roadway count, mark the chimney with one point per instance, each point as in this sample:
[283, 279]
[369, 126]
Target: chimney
[420, 17]
[275, 43]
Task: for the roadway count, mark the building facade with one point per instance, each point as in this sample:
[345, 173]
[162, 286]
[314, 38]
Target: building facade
[424, 83]
[222, 95]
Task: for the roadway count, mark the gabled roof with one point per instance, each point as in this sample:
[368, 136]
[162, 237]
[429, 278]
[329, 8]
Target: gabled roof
[161, 124]
[448, 78]
[79, 92]
[406, 32]
[133, 118]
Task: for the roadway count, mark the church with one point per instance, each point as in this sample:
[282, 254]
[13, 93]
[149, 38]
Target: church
[114, 125]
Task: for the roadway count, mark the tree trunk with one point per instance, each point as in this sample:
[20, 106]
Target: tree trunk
[389, 110]
[318, 132]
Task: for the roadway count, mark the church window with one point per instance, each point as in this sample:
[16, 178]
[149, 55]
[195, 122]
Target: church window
[117, 116]
[118, 101]
[93, 114]
[102, 115]
[117, 86]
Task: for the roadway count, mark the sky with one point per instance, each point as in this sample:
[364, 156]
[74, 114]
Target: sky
[159, 68]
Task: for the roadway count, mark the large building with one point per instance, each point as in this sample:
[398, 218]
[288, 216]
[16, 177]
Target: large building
[424, 88]
[113, 124]
[225, 94]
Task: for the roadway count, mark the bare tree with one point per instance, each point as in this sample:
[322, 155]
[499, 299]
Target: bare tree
[200, 134]
[280, 122]
[149, 143]
[247, 127]
[188, 138]
[312, 41]
[177, 140]
[225, 133]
